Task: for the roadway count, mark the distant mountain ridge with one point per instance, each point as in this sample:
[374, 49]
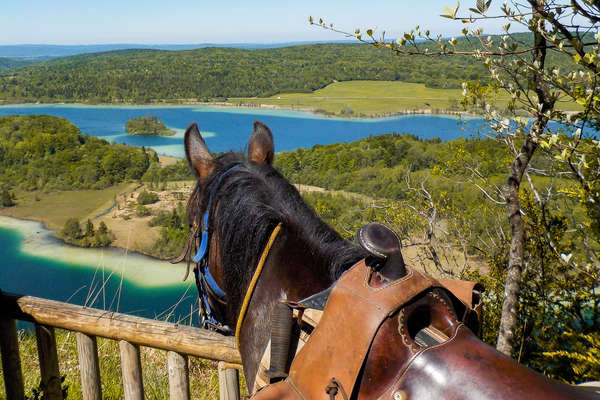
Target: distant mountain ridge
[50, 50]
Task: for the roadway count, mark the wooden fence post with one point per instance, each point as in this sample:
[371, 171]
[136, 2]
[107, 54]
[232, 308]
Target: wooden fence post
[87, 351]
[179, 382]
[229, 383]
[46, 343]
[131, 369]
[11, 360]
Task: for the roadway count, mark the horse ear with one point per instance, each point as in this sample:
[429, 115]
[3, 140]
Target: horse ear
[261, 148]
[198, 155]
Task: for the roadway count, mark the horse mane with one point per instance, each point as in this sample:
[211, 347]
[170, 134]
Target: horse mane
[251, 202]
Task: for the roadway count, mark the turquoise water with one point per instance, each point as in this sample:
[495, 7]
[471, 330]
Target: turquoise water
[36, 267]
[229, 128]
[34, 263]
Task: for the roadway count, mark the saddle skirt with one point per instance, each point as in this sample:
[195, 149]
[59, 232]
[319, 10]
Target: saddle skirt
[356, 308]
[419, 330]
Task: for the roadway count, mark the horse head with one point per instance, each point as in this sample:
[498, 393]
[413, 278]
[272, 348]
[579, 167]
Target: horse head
[387, 330]
[249, 200]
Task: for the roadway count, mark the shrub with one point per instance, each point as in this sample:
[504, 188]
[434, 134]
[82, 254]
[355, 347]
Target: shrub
[142, 211]
[147, 198]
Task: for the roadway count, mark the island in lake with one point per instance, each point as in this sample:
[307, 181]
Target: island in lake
[147, 125]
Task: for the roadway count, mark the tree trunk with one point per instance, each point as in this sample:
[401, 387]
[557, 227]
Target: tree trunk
[512, 285]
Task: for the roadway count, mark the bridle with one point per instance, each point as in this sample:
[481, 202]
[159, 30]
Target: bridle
[212, 298]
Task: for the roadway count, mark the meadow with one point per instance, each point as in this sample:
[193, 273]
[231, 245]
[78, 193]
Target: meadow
[54, 208]
[374, 99]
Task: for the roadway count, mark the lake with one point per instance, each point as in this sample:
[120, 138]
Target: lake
[229, 128]
[35, 263]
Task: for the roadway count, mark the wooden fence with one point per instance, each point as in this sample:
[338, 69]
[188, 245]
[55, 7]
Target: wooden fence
[131, 332]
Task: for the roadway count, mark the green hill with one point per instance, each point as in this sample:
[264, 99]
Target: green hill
[43, 152]
[144, 76]
[10, 63]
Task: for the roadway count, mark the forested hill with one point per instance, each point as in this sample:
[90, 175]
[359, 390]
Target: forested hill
[43, 152]
[10, 63]
[203, 74]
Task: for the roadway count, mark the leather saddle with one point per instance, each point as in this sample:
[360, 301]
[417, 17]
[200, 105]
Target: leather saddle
[390, 332]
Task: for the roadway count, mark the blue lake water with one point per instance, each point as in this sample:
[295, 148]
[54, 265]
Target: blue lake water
[229, 128]
[30, 264]
[36, 264]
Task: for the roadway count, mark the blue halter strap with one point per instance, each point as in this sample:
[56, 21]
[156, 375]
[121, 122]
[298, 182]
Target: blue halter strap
[203, 275]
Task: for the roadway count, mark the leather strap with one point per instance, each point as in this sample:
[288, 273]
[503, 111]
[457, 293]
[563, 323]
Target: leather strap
[352, 304]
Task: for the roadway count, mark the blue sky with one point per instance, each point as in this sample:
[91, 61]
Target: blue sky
[161, 21]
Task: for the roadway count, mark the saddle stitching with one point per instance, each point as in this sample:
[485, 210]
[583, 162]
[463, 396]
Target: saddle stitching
[409, 363]
[409, 274]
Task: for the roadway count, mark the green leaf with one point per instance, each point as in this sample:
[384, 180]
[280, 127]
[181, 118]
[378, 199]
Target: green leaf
[450, 12]
[481, 5]
[577, 58]
[370, 32]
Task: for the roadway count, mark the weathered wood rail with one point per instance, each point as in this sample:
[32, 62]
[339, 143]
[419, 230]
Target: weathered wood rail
[131, 332]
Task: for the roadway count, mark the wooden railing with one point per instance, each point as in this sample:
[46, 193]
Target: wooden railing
[131, 332]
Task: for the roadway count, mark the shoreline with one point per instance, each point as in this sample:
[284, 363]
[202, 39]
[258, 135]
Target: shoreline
[250, 106]
[139, 269]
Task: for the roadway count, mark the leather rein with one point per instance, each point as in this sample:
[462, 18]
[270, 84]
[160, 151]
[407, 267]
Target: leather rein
[209, 290]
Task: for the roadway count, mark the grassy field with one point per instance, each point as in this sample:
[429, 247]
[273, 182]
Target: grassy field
[369, 98]
[373, 98]
[54, 208]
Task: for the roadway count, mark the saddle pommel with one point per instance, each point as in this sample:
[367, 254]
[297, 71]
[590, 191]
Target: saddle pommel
[384, 246]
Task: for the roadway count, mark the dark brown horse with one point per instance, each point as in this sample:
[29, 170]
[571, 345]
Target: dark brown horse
[244, 215]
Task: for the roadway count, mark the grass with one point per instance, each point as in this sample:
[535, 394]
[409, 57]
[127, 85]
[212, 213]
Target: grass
[54, 208]
[368, 98]
[373, 98]
[203, 374]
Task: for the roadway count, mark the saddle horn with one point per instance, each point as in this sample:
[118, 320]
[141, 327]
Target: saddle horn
[384, 248]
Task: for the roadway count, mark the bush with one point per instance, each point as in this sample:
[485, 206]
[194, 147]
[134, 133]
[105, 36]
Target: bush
[6, 200]
[142, 211]
[147, 198]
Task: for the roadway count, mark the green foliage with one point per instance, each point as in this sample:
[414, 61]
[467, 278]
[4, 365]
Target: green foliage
[72, 230]
[142, 211]
[11, 63]
[146, 197]
[558, 330]
[6, 200]
[147, 125]
[173, 234]
[72, 233]
[144, 76]
[42, 152]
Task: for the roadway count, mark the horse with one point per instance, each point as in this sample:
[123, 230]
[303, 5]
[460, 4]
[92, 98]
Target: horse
[259, 244]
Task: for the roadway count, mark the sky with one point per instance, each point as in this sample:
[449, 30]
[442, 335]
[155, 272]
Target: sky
[190, 22]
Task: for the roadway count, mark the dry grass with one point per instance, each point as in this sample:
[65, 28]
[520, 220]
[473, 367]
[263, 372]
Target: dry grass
[132, 231]
[203, 373]
[54, 208]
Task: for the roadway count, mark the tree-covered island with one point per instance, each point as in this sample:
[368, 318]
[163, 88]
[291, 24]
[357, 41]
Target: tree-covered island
[147, 125]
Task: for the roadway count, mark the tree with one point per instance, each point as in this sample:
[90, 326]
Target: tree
[6, 199]
[71, 229]
[89, 229]
[527, 69]
[102, 228]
